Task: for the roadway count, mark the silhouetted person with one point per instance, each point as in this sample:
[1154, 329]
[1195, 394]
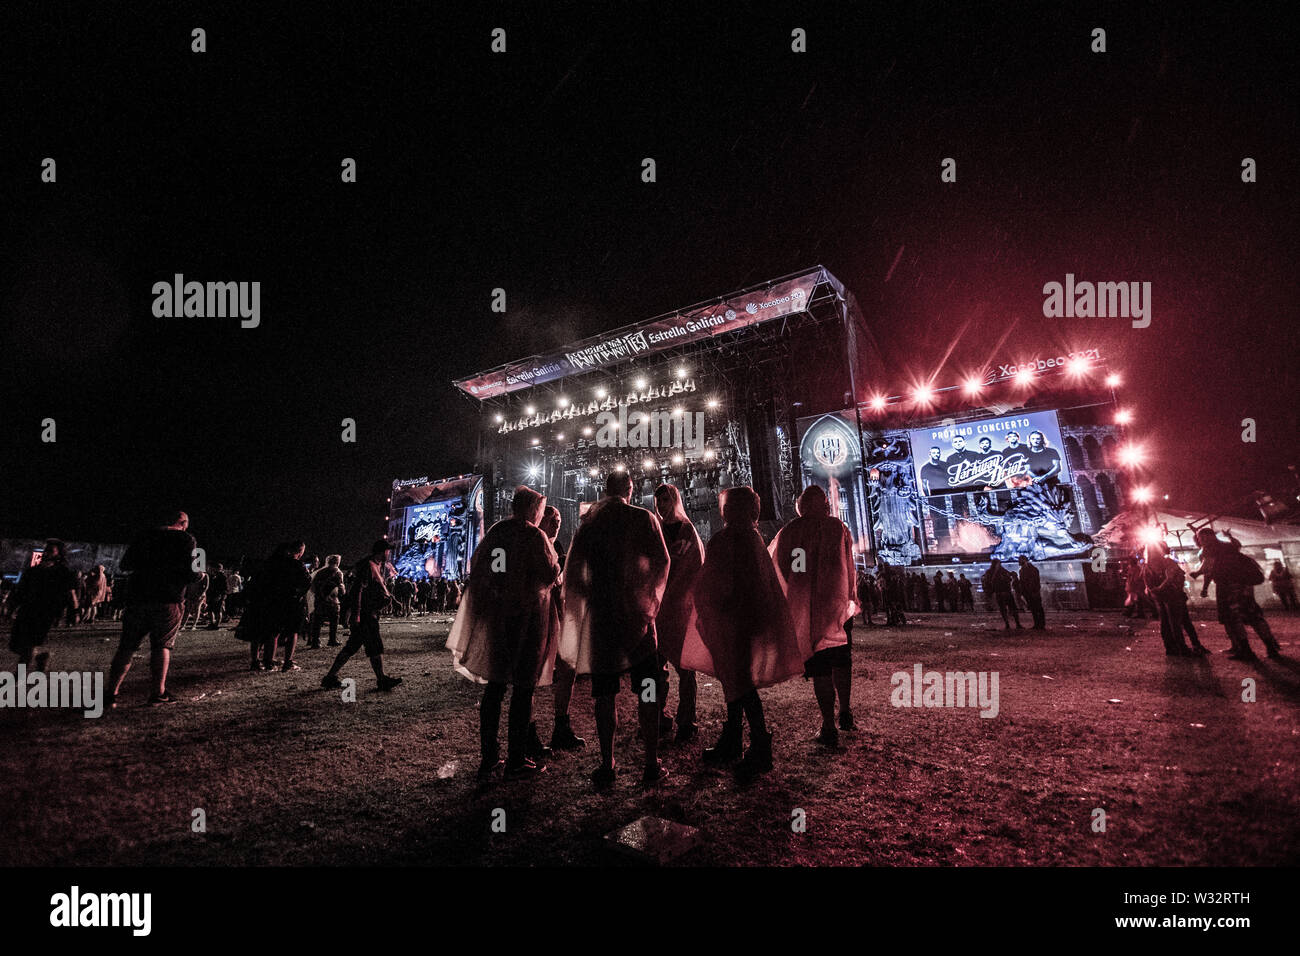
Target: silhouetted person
[276, 603]
[1234, 576]
[940, 592]
[217, 589]
[327, 592]
[686, 553]
[742, 632]
[161, 564]
[1283, 585]
[614, 580]
[967, 591]
[998, 582]
[1166, 584]
[502, 635]
[43, 593]
[813, 556]
[562, 735]
[367, 596]
[1029, 584]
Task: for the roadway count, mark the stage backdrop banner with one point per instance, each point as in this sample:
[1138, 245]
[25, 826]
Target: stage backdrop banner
[1015, 451]
[784, 298]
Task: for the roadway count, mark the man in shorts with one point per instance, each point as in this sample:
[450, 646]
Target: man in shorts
[161, 564]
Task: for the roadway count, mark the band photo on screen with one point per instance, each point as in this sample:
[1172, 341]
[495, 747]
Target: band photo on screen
[801, 455]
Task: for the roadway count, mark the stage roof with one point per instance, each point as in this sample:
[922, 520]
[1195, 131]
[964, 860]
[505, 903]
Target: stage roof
[777, 298]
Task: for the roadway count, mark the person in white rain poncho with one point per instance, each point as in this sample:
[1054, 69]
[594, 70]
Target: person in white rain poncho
[686, 552]
[614, 580]
[813, 555]
[502, 633]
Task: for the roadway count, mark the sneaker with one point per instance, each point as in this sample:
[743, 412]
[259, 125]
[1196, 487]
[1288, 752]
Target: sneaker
[112, 702]
[603, 777]
[846, 720]
[536, 750]
[255, 666]
[165, 697]
[488, 767]
[331, 682]
[686, 733]
[291, 666]
[653, 776]
[388, 683]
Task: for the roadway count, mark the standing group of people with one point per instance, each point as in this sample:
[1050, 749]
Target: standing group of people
[637, 592]
[430, 596]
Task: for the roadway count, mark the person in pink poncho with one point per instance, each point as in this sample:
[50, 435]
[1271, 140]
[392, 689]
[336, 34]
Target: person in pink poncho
[687, 554]
[502, 633]
[614, 579]
[813, 555]
[741, 631]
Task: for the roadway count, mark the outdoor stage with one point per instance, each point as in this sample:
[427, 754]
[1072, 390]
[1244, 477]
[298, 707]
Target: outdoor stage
[1092, 715]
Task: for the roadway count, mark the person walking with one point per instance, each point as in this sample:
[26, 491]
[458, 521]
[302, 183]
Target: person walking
[366, 597]
[1030, 587]
[43, 593]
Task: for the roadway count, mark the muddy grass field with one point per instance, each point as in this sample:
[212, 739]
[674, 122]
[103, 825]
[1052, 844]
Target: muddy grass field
[1092, 715]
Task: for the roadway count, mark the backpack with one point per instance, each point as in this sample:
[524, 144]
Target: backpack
[1246, 569]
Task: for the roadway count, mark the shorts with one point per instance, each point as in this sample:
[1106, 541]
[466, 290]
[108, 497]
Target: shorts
[159, 622]
[650, 668]
[364, 633]
[820, 664]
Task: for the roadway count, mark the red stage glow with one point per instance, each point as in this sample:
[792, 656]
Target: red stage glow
[1123, 417]
[1112, 381]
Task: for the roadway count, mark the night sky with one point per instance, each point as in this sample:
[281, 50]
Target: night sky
[522, 171]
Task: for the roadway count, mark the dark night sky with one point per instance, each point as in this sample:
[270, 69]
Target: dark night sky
[523, 171]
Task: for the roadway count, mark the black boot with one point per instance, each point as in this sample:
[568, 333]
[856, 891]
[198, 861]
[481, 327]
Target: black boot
[534, 748]
[758, 758]
[728, 747]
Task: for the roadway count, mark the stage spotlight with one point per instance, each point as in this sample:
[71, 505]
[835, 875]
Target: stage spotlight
[619, 467]
[499, 418]
[601, 393]
[649, 464]
[586, 432]
[1024, 376]
[681, 372]
[878, 402]
[677, 459]
[562, 401]
[708, 455]
[530, 410]
[1123, 417]
[1143, 495]
[1077, 366]
[713, 403]
[923, 394]
[1112, 380]
[536, 441]
[677, 412]
[1150, 534]
[640, 383]
[560, 437]
[973, 385]
[593, 472]
[1131, 455]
